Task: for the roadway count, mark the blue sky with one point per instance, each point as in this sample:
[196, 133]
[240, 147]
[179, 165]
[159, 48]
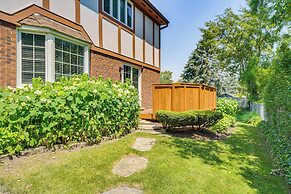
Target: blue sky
[186, 17]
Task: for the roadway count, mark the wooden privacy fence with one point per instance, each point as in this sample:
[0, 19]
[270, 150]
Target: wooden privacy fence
[182, 97]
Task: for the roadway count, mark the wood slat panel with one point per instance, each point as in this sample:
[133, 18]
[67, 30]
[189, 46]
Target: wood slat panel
[183, 97]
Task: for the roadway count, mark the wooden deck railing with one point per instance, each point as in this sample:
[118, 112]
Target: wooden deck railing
[182, 97]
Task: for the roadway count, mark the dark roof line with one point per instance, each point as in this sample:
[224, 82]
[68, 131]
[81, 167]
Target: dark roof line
[156, 10]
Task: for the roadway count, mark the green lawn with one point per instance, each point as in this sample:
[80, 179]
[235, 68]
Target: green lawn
[239, 164]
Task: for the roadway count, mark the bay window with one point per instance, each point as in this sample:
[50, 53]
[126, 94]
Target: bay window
[49, 56]
[121, 10]
[69, 59]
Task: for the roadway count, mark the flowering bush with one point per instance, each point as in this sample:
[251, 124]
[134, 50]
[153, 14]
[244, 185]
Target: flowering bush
[227, 106]
[224, 124]
[71, 110]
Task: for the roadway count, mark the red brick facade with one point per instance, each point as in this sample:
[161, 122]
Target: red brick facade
[149, 77]
[105, 66]
[7, 54]
[100, 65]
[109, 67]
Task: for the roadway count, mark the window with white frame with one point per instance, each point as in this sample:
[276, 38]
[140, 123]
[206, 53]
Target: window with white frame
[121, 10]
[49, 57]
[132, 74]
[33, 57]
[69, 59]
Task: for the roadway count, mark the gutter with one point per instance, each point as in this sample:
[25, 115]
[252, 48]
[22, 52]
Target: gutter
[165, 26]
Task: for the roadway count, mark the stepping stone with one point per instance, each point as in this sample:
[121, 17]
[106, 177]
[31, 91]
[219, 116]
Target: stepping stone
[130, 165]
[124, 190]
[143, 144]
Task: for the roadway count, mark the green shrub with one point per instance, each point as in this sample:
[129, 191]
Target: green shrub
[227, 106]
[200, 119]
[280, 147]
[277, 100]
[224, 124]
[71, 110]
[248, 117]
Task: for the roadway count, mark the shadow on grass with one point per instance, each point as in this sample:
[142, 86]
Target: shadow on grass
[244, 151]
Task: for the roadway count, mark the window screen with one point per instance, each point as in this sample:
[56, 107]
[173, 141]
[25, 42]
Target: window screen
[69, 59]
[33, 57]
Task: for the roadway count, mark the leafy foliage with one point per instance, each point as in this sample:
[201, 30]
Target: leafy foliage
[248, 117]
[224, 124]
[227, 106]
[166, 77]
[280, 147]
[200, 119]
[203, 68]
[76, 109]
[277, 99]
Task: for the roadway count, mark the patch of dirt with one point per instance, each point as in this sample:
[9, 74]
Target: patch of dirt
[191, 133]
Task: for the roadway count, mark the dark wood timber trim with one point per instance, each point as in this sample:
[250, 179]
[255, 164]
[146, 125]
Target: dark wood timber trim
[46, 4]
[119, 39]
[77, 11]
[153, 43]
[100, 31]
[144, 37]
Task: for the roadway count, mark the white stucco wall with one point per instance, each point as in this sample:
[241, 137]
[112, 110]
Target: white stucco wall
[65, 8]
[12, 6]
[110, 35]
[89, 19]
[126, 44]
[149, 53]
[157, 57]
[138, 48]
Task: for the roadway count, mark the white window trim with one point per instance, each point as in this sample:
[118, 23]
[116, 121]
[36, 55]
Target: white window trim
[139, 79]
[50, 36]
[118, 19]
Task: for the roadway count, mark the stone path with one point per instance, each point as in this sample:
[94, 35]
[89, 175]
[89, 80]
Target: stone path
[131, 164]
[143, 144]
[124, 190]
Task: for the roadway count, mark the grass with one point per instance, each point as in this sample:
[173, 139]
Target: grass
[239, 164]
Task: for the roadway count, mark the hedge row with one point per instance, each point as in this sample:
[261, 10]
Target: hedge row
[281, 148]
[200, 119]
[277, 100]
[80, 109]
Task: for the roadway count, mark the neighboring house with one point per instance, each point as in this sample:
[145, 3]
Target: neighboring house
[118, 39]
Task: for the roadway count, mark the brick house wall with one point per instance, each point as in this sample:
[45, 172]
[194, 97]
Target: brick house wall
[109, 67]
[149, 77]
[7, 54]
[100, 65]
[105, 66]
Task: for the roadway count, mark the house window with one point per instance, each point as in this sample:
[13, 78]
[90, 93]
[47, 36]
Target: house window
[69, 59]
[32, 57]
[121, 10]
[132, 74]
[43, 54]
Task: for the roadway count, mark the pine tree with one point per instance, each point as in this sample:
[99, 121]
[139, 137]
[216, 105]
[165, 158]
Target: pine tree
[197, 68]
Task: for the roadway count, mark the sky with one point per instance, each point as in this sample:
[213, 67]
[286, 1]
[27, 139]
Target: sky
[182, 35]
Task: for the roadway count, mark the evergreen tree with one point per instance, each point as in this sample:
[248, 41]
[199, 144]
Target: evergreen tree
[197, 69]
